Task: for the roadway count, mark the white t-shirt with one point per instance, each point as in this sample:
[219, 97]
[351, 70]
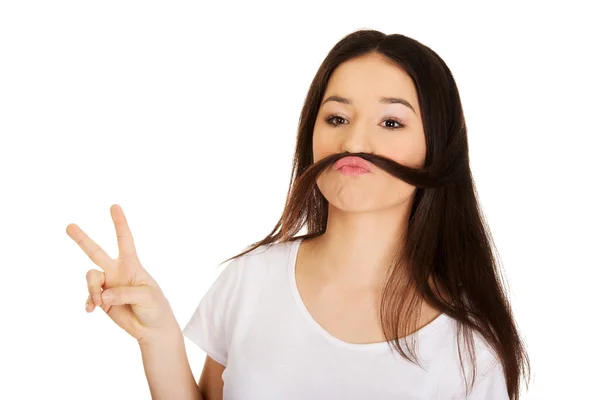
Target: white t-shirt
[254, 322]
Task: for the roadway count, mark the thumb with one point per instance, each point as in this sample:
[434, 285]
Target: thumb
[127, 295]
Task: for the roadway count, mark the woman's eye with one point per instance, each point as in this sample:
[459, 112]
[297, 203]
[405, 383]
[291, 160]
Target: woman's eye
[393, 121]
[335, 120]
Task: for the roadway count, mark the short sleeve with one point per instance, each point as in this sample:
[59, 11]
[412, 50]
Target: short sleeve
[210, 325]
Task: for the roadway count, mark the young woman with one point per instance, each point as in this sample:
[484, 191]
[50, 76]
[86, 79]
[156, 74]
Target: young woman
[393, 292]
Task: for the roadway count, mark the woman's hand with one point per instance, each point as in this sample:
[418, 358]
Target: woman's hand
[123, 289]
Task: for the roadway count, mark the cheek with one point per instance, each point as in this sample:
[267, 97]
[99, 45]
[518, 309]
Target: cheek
[318, 146]
[410, 152]
[324, 143]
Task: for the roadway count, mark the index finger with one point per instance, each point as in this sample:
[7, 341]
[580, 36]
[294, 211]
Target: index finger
[93, 251]
[124, 236]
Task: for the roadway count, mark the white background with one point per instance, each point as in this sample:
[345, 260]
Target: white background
[185, 114]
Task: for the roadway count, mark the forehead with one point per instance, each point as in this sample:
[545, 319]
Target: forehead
[367, 78]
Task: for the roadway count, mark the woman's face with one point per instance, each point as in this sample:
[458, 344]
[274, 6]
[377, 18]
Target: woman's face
[363, 122]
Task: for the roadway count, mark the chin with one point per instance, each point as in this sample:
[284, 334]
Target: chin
[359, 203]
[351, 208]
[348, 204]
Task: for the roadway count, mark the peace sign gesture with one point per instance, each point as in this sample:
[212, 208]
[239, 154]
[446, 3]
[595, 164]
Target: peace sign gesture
[123, 289]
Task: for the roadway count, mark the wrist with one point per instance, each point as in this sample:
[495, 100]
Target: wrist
[167, 336]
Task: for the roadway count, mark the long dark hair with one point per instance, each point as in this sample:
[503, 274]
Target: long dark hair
[447, 236]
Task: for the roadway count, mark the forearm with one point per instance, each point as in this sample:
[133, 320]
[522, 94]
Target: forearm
[168, 370]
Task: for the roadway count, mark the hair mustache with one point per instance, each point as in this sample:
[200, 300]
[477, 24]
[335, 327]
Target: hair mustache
[303, 196]
[429, 177]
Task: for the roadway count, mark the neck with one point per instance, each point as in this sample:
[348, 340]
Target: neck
[358, 248]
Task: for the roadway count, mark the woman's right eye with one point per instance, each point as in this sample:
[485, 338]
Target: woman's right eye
[333, 120]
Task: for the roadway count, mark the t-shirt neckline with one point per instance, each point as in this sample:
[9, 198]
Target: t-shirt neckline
[291, 268]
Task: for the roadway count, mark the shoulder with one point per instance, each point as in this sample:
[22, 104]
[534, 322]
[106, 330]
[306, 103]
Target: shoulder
[257, 263]
[262, 258]
[228, 306]
[268, 253]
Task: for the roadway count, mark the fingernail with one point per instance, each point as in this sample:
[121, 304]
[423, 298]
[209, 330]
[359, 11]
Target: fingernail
[97, 300]
[107, 296]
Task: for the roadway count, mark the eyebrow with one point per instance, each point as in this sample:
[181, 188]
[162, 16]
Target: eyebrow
[382, 100]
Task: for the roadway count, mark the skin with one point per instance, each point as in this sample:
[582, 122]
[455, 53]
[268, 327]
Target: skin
[341, 273]
[134, 301]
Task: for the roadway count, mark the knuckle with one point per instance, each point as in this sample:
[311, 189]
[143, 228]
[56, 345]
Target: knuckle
[92, 274]
[94, 280]
[89, 276]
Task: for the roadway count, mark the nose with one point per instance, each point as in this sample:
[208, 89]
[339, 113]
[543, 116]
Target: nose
[356, 139]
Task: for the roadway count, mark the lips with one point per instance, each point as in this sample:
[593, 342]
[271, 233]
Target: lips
[353, 162]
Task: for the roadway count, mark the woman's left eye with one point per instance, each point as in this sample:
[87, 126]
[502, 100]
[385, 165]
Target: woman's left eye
[393, 121]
